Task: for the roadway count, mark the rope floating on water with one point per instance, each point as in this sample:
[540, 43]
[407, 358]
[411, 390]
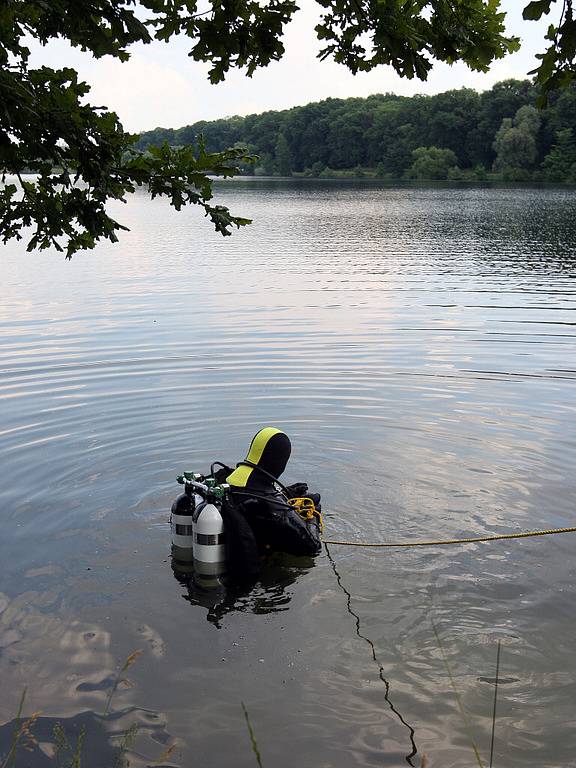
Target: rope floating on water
[441, 543]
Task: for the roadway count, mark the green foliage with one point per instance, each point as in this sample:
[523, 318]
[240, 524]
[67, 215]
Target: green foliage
[560, 163]
[515, 144]
[381, 172]
[283, 156]
[81, 154]
[410, 35]
[84, 158]
[332, 137]
[467, 174]
[318, 169]
[557, 64]
[515, 174]
[503, 100]
[528, 118]
[431, 163]
[266, 165]
[244, 33]
[68, 755]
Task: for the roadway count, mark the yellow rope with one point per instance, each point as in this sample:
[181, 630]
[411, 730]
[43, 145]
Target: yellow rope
[440, 543]
[307, 510]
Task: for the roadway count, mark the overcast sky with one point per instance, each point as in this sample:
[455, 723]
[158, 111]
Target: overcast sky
[161, 86]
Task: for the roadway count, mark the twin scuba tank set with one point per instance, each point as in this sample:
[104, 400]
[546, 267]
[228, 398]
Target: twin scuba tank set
[198, 529]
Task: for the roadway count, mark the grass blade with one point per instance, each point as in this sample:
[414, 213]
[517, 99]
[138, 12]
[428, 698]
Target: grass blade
[118, 679]
[22, 734]
[495, 701]
[458, 699]
[71, 755]
[252, 736]
[16, 734]
[121, 760]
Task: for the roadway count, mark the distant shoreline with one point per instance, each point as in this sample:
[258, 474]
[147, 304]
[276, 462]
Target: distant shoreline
[493, 181]
[458, 135]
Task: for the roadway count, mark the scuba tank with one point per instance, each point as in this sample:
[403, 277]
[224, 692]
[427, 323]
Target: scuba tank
[181, 523]
[208, 532]
[198, 530]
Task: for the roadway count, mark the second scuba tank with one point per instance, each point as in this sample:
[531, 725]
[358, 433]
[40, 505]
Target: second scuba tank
[182, 529]
[181, 523]
[208, 534]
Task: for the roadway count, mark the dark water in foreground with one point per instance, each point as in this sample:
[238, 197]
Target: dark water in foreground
[418, 345]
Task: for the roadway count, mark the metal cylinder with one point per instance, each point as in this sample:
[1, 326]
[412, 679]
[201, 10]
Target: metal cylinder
[208, 535]
[181, 523]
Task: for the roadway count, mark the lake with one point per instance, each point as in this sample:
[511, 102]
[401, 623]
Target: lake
[417, 344]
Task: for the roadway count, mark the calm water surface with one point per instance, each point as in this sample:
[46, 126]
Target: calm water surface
[418, 345]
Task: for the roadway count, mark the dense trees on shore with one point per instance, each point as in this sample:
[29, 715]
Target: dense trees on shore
[49, 128]
[460, 134]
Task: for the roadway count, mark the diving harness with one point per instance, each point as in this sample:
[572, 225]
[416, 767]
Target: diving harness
[198, 528]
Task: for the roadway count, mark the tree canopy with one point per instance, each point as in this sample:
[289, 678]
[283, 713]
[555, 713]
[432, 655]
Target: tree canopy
[84, 157]
[497, 133]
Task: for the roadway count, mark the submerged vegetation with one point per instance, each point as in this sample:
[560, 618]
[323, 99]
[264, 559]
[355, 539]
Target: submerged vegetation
[253, 742]
[67, 752]
[61, 746]
[456, 135]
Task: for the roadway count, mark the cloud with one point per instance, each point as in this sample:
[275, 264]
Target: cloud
[143, 92]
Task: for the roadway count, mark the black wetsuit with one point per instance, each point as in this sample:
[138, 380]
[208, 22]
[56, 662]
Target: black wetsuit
[257, 516]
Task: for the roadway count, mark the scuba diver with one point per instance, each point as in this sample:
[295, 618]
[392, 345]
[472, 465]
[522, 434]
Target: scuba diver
[260, 514]
[225, 522]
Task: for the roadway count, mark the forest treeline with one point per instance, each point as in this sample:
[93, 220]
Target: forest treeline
[459, 134]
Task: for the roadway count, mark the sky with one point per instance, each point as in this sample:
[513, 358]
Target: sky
[162, 86]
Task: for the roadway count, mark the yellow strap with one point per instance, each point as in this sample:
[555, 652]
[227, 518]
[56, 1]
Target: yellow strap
[441, 543]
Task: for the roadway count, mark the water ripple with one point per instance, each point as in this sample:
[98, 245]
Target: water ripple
[418, 346]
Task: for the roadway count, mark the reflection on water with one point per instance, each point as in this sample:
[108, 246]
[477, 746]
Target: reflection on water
[220, 596]
[136, 736]
[63, 663]
[412, 734]
[418, 345]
